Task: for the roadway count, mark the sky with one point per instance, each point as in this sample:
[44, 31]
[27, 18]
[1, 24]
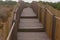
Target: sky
[39, 0]
[30, 0]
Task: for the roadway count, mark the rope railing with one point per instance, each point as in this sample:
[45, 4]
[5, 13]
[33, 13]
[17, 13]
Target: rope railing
[11, 30]
[49, 11]
[16, 19]
[57, 17]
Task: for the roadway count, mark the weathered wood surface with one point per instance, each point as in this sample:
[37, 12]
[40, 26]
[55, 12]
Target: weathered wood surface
[30, 23]
[28, 12]
[32, 36]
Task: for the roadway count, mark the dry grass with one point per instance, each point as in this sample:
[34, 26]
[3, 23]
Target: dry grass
[5, 11]
[6, 15]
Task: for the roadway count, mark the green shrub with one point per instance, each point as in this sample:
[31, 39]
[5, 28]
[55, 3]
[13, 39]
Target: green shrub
[8, 3]
[55, 5]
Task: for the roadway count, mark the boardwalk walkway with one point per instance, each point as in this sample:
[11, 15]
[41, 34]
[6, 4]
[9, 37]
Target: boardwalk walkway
[29, 27]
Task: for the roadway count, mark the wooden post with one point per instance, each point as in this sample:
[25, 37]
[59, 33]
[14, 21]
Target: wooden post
[45, 19]
[53, 27]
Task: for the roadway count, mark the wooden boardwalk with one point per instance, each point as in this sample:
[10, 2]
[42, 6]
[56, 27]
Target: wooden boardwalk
[28, 27]
[28, 12]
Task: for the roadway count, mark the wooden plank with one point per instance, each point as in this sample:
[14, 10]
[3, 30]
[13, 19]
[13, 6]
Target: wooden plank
[57, 31]
[29, 17]
[32, 30]
[28, 12]
[32, 36]
[30, 24]
[49, 19]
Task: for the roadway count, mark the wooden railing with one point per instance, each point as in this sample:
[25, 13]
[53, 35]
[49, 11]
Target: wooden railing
[57, 29]
[15, 24]
[34, 6]
[50, 21]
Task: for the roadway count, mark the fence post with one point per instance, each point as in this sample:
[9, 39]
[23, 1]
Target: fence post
[40, 13]
[53, 27]
[45, 19]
